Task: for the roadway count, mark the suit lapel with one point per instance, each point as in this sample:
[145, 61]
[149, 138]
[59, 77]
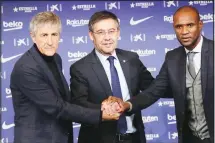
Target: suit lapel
[65, 85]
[100, 72]
[45, 68]
[204, 66]
[182, 71]
[124, 62]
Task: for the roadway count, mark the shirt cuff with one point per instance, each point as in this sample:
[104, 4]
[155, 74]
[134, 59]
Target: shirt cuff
[130, 106]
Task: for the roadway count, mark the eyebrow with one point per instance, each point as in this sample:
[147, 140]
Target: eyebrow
[108, 29]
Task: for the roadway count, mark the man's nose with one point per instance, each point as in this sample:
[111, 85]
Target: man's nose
[49, 40]
[107, 36]
[184, 30]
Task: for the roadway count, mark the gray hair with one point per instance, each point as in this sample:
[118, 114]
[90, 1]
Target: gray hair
[46, 17]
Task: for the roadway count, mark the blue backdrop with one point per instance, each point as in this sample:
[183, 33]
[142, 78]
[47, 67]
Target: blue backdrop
[146, 28]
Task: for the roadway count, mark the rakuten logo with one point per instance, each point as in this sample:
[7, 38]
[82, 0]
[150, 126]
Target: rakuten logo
[145, 52]
[9, 26]
[168, 18]
[76, 23]
[74, 56]
[148, 119]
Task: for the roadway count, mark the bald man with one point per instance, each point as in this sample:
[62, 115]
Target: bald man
[188, 71]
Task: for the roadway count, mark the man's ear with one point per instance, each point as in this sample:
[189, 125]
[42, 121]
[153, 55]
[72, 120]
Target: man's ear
[91, 35]
[33, 37]
[200, 24]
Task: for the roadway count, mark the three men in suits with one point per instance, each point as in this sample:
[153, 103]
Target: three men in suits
[189, 72]
[108, 71]
[40, 93]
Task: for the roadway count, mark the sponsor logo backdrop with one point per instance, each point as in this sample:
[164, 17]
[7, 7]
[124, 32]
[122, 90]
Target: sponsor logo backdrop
[146, 28]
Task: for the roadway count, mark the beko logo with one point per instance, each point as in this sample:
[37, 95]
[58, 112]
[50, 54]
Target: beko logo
[74, 56]
[9, 26]
[171, 119]
[206, 18]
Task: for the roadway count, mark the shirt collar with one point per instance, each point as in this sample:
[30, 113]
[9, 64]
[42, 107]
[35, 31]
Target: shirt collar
[103, 58]
[198, 47]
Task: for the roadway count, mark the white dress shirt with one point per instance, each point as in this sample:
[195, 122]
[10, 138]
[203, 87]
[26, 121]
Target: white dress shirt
[123, 84]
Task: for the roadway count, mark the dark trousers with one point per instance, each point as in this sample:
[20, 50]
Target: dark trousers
[134, 138]
[190, 138]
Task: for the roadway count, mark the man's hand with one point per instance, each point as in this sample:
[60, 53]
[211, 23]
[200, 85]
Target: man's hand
[113, 107]
[107, 116]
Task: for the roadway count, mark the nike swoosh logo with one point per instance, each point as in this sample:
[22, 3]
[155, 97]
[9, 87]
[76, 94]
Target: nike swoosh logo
[4, 60]
[132, 22]
[5, 126]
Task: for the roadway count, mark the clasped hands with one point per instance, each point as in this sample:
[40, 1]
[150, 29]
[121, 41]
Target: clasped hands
[112, 108]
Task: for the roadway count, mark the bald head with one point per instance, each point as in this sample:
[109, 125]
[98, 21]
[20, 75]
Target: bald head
[187, 26]
[187, 9]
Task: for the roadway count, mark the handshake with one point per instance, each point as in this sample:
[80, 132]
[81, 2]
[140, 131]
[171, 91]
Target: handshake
[113, 107]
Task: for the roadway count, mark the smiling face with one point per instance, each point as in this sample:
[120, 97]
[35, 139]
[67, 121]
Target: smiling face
[47, 38]
[187, 27]
[105, 36]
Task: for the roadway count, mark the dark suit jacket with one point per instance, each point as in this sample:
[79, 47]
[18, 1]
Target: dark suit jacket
[173, 75]
[90, 86]
[41, 115]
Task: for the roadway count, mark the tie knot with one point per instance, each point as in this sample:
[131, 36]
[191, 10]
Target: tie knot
[111, 59]
[191, 54]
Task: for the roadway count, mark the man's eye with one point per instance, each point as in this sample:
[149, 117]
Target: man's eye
[112, 31]
[178, 26]
[190, 25]
[100, 32]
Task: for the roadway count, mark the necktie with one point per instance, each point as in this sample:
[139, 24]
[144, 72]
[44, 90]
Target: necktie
[191, 67]
[116, 89]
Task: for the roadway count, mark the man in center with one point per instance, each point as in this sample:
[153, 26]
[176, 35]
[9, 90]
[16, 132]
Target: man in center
[109, 71]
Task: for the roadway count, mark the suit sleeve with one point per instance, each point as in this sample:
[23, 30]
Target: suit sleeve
[156, 90]
[145, 76]
[79, 89]
[32, 84]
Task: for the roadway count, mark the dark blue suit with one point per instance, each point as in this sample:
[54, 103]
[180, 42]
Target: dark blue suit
[41, 114]
[90, 86]
[172, 77]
